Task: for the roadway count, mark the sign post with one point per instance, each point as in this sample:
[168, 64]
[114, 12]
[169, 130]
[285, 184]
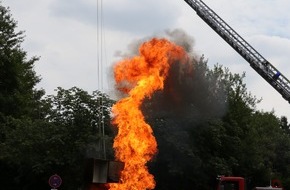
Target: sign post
[54, 181]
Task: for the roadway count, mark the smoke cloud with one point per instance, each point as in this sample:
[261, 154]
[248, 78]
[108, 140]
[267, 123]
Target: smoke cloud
[191, 91]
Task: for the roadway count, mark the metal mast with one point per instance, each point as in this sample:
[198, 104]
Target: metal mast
[274, 77]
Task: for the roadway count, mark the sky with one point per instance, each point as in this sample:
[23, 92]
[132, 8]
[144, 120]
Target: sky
[63, 33]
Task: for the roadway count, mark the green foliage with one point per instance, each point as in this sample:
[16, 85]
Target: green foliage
[17, 77]
[197, 145]
[59, 143]
[75, 135]
[20, 103]
[82, 115]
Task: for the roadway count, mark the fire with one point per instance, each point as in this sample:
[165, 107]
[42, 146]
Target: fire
[139, 77]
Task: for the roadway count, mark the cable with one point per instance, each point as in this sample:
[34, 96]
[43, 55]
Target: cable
[100, 53]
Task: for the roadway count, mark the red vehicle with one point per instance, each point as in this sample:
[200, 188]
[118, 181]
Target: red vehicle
[238, 183]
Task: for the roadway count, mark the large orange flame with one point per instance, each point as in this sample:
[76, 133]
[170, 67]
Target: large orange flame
[139, 77]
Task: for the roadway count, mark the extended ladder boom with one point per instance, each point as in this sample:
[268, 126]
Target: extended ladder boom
[274, 77]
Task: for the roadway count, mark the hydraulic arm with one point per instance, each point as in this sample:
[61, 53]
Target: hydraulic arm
[274, 77]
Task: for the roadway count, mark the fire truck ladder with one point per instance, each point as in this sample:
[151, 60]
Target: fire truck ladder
[274, 77]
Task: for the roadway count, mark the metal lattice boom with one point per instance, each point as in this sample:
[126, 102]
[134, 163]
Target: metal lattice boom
[274, 77]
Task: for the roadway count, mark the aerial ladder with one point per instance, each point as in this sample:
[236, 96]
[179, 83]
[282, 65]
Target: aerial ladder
[274, 77]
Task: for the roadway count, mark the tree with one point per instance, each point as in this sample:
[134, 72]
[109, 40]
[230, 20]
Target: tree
[244, 142]
[206, 124]
[77, 117]
[19, 99]
[61, 142]
[83, 114]
[18, 79]
[188, 100]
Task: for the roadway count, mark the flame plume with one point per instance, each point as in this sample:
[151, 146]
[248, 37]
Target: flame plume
[139, 77]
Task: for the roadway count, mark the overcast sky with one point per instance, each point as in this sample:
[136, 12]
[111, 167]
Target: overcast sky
[63, 33]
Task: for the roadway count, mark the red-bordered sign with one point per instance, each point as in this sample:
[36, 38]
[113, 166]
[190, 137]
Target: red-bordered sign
[55, 181]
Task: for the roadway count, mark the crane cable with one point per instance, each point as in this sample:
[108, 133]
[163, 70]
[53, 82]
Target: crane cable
[100, 54]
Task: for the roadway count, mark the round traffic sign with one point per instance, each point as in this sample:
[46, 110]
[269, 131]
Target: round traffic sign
[55, 181]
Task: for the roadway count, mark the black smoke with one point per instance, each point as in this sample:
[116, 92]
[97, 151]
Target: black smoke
[192, 95]
[191, 92]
